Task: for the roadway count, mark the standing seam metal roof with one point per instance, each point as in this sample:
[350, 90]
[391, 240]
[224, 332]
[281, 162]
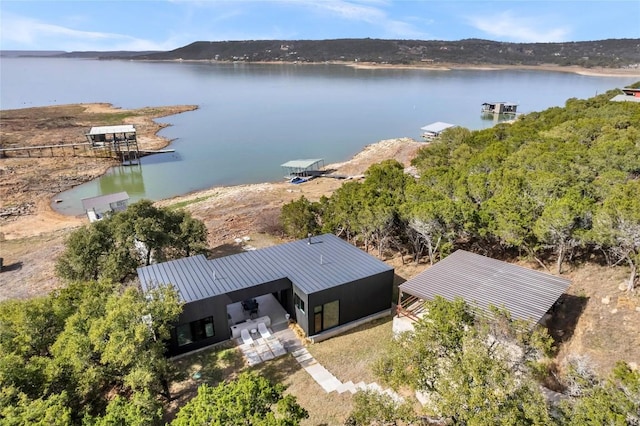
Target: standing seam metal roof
[327, 262]
[480, 280]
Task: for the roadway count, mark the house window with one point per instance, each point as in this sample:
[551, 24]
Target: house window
[195, 331]
[298, 302]
[326, 316]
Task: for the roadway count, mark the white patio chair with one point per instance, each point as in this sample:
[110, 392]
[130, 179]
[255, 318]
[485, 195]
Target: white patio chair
[264, 332]
[246, 337]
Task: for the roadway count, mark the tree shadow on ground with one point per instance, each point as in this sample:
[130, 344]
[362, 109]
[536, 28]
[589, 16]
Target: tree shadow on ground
[225, 250]
[15, 266]
[565, 314]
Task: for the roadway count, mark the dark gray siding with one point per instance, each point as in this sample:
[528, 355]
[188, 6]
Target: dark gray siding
[215, 307]
[358, 299]
[302, 317]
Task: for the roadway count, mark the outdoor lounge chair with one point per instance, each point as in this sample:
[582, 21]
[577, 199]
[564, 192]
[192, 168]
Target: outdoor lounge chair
[246, 337]
[264, 332]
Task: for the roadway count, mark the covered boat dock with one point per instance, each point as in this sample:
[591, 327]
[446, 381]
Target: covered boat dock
[499, 108]
[433, 130]
[119, 140]
[303, 168]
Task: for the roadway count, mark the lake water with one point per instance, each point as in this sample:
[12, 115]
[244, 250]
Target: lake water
[254, 117]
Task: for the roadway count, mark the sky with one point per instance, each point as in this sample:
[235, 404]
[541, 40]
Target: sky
[165, 25]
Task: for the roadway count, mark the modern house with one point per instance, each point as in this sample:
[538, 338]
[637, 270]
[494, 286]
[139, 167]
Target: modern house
[97, 207]
[433, 130]
[321, 282]
[482, 282]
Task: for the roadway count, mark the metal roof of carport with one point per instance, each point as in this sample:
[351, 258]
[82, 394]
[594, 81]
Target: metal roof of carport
[327, 261]
[483, 281]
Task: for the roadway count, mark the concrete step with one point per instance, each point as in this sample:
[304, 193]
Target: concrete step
[374, 387]
[299, 352]
[361, 386]
[304, 357]
[348, 386]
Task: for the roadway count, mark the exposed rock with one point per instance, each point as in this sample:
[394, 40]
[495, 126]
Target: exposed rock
[606, 300]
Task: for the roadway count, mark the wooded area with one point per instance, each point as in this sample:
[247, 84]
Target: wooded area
[558, 186]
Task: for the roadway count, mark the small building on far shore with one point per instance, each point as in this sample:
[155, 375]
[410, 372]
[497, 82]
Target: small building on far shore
[433, 130]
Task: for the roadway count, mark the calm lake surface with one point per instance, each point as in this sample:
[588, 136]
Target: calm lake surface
[254, 117]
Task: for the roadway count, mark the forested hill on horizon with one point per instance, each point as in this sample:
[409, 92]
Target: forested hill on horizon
[611, 53]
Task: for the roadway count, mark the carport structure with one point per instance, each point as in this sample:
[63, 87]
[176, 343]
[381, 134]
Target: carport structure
[482, 282]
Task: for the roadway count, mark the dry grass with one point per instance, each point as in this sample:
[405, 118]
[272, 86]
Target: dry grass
[348, 356]
[351, 356]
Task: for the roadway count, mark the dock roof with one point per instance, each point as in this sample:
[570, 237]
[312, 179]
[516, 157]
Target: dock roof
[107, 130]
[103, 200]
[303, 164]
[325, 262]
[482, 281]
[437, 127]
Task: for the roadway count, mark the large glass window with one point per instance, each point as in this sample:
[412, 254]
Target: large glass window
[326, 316]
[195, 331]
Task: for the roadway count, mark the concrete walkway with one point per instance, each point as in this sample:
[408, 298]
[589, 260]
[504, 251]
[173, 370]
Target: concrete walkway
[284, 341]
[330, 383]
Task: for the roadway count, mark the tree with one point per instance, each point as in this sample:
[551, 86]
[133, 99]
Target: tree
[299, 218]
[563, 223]
[114, 247]
[375, 408]
[612, 401]
[86, 251]
[89, 350]
[249, 400]
[616, 227]
[474, 369]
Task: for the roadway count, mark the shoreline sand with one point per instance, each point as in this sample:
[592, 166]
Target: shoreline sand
[595, 72]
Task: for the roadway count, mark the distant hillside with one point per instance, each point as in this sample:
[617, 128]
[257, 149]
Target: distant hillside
[616, 53]
[106, 55]
[29, 53]
[62, 54]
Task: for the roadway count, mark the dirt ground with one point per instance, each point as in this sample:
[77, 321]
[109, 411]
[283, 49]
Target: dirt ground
[597, 318]
[32, 234]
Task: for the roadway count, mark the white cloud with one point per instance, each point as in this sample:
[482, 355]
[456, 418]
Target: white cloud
[368, 11]
[20, 33]
[510, 27]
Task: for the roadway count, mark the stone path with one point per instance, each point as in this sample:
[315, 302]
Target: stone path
[262, 349]
[330, 383]
[286, 341]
